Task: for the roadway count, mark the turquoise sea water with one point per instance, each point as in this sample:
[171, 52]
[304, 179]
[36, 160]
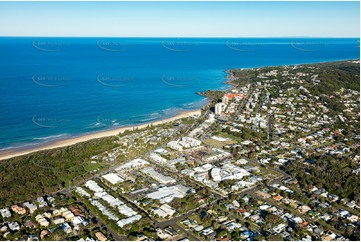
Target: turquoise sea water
[55, 88]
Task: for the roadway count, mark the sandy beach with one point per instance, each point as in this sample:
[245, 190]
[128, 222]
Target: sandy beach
[67, 142]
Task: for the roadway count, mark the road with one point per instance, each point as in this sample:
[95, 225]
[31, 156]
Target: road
[115, 236]
[173, 222]
[244, 102]
[295, 212]
[270, 131]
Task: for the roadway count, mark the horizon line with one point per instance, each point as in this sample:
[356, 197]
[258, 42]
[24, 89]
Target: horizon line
[215, 37]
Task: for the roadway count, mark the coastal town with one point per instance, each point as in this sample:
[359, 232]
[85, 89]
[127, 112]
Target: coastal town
[275, 157]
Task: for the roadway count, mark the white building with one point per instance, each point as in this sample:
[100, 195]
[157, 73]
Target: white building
[68, 215]
[41, 202]
[14, 226]
[225, 99]
[77, 220]
[93, 186]
[127, 211]
[174, 145]
[167, 194]
[157, 158]
[161, 213]
[5, 212]
[168, 209]
[30, 206]
[216, 174]
[121, 223]
[104, 210]
[158, 176]
[58, 221]
[82, 192]
[112, 201]
[43, 222]
[190, 142]
[164, 211]
[113, 178]
[279, 228]
[136, 163]
[218, 108]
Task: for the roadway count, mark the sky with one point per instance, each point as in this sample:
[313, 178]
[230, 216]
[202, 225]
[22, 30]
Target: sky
[180, 19]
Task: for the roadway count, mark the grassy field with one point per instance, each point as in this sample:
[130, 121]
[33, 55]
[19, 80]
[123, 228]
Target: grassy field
[218, 144]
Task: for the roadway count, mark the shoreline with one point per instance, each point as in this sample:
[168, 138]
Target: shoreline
[19, 151]
[299, 64]
[11, 153]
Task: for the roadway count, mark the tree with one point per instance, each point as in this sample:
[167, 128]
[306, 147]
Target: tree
[272, 220]
[259, 237]
[273, 237]
[235, 235]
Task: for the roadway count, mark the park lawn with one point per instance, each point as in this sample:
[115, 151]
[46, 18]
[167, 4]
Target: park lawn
[218, 144]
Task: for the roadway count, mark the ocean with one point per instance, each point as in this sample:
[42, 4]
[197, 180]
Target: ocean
[57, 88]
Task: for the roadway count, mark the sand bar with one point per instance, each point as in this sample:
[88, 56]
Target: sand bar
[71, 141]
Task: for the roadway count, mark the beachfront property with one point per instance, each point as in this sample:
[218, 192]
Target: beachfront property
[218, 171]
[219, 108]
[225, 106]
